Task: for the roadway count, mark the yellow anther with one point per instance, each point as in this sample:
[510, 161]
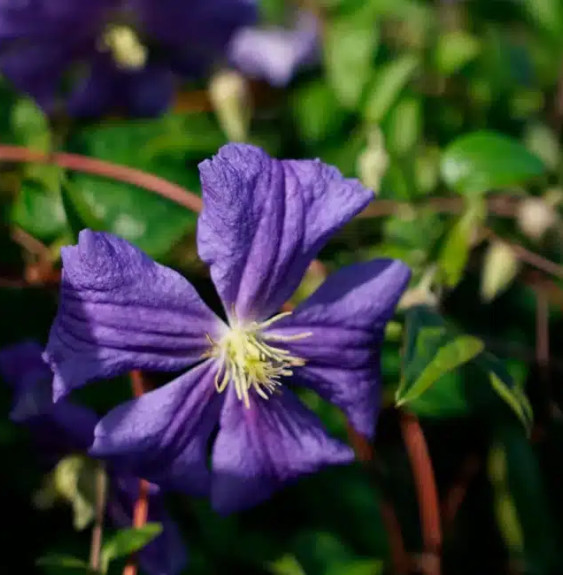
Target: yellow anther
[248, 361]
[126, 48]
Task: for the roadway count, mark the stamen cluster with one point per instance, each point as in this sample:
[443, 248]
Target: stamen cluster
[249, 361]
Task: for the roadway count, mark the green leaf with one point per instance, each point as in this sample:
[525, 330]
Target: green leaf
[349, 48]
[522, 507]
[548, 15]
[128, 541]
[387, 85]
[286, 565]
[30, 126]
[444, 359]
[405, 126]
[79, 214]
[460, 374]
[66, 563]
[484, 161]
[144, 218]
[316, 111]
[323, 554]
[74, 481]
[39, 211]
[542, 141]
[455, 251]
[454, 50]
[505, 387]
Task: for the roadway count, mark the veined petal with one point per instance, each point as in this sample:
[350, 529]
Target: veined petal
[260, 449]
[346, 318]
[162, 435]
[264, 220]
[166, 554]
[118, 311]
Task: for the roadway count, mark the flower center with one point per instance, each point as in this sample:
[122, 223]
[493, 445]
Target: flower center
[248, 359]
[125, 46]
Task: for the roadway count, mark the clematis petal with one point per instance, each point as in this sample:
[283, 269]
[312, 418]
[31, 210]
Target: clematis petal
[119, 310]
[208, 25]
[95, 93]
[162, 435]
[260, 449]
[62, 426]
[264, 220]
[150, 91]
[346, 318]
[145, 92]
[166, 554]
[35, 69]
[275, 53]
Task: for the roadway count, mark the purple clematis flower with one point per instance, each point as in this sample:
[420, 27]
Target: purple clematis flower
[63, 428]
[124, 52]
[263, 222]
[275, 53]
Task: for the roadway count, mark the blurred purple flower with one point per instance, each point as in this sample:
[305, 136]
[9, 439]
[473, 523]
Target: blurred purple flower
[63, 428]
[275, 53]
[263, 222]
[125, 51]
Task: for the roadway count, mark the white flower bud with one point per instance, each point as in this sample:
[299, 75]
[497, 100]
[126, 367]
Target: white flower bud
[535, 217]
[422, 293]
[373, 161]
[499, 269]
[231, 99]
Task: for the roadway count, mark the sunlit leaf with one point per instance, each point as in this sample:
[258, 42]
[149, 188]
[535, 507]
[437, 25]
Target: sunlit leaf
[483, 161]
[349, 48]
[64, 563]
[454, 50]
[128, 541]
[387, 85]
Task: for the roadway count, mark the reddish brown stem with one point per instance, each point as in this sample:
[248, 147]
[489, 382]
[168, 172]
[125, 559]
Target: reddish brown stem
[427, 492]
[141, 509]
[97, 167]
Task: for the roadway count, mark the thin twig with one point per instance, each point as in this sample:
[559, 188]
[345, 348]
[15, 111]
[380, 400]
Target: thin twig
[502, 206]
[141, 508]
[427, 492]
[98, 528]
[31, 244]
[97, 167]
[542, 332]
[529, 257]
[399, 557]
[456, 495]
[542, 358]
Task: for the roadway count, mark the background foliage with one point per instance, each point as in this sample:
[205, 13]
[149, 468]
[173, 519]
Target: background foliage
[460, 106]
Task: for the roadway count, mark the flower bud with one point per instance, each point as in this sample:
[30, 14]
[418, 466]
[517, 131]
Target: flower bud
[373, 161]
[231, 99]
[535, 217]
[422, 293]
[499, 269]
